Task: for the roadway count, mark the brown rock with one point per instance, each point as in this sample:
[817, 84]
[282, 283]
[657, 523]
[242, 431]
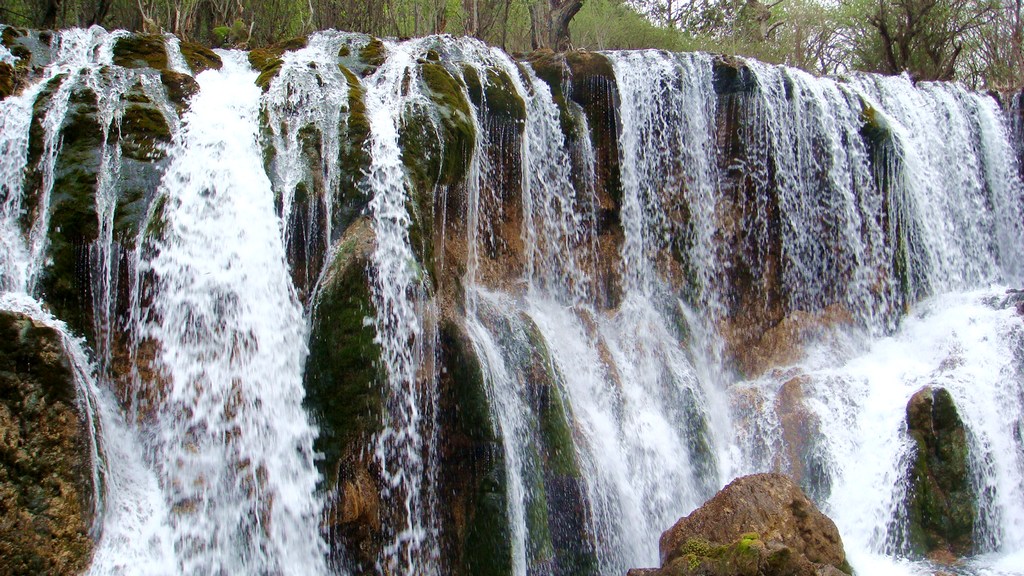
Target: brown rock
[754, 349]
[771, 507]
[45, 484]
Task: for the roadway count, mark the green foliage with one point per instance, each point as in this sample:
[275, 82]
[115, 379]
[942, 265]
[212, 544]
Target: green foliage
[612, 25]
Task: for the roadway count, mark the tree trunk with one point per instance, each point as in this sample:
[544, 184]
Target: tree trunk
[50, 13]
[549, 23]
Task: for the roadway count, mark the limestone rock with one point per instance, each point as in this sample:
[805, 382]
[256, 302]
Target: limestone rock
[941, 503]
[758, 525]
[45, 485]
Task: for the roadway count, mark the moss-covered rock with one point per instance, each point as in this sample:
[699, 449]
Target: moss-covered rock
[45, 480]
[66, 281]
[372, 55]
[199, 57]
[342, 371]
[501, 97]
[7, 80]
[141, 51]
[437, 143]
[942, 504]
[354, 160]
[144, 132]
[267, 61]
[180, 88]
[758, 525]
[346, 397]
[476, 534]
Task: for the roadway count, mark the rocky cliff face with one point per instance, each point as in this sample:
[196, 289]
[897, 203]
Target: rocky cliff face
[45, 484]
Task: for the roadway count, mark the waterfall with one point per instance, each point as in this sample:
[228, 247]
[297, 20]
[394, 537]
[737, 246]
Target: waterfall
[399, 311]
[231, 442]
[661, 270]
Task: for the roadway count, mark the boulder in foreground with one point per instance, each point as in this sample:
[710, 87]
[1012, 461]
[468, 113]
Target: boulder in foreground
[758, 525]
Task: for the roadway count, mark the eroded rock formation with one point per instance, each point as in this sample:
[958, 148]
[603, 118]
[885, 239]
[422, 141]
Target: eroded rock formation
[758, 525]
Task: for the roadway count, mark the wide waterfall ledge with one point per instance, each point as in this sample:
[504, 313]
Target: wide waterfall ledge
[349, 305]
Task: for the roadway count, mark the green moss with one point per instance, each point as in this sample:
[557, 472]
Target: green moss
[436, 143]
[268, 60]
[129, 214]
[141, 51]
[343, 369]
[269, 73]
[372, 55]
[556, 435]
[65, 281]
[488, 545]
[472, 406]
[354, 160]
[200, 58]
[474, 88]
[540, 548]
[261, 58]
[942, 504]
[740, 558]
[220, 35]
[180, 88]
[502, 98]
[156, 222]
[479, 487]
[144, 132]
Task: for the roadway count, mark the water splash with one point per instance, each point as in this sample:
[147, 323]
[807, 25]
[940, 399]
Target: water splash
[130, 517]
[396, 292]
[231, 442]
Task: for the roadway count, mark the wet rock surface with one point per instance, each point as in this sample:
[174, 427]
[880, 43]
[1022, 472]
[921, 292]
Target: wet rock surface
[45, 484]
[758, 525]
[942, 504]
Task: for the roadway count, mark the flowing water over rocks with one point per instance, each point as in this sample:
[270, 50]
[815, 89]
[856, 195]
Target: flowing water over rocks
[350, 305]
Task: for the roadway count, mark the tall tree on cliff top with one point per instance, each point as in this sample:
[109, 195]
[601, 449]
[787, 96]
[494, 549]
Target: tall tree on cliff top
[549, 22]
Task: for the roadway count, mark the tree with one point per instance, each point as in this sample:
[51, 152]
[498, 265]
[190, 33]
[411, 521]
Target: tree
[999, 60]
[925, 38]
[549, 23]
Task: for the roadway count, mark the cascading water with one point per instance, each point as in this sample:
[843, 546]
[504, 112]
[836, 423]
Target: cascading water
[856, 386]
[747, 192]
[404, 343]
[231, 441]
